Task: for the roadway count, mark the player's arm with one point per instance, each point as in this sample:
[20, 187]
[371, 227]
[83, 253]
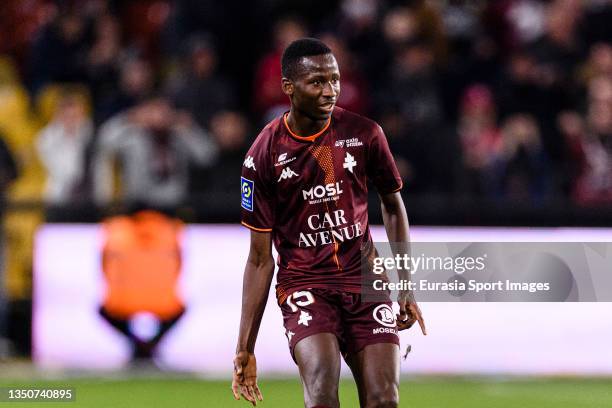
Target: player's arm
[396, 225]
[255, 288]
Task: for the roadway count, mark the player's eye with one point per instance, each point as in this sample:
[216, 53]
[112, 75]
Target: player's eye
[316, 82]
[335, 81]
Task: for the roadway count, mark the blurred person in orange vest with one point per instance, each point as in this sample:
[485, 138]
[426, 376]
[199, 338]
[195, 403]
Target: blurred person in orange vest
[141, 261]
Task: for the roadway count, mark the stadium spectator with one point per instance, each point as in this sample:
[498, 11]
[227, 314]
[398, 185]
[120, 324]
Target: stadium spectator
[595, 25]
[357, 22]
[136, 83]
[229, 131]
[521, 167]
[480, 140]
[571, 126]
[63, 148]
[103, 61]
[155, 145]
[58, 52]
[599, 63]
[355, 95]
[410, 98]
[594, 185]
[270, 101]
[201, 90]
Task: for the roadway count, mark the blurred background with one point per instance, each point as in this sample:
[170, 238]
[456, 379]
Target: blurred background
[124, 125]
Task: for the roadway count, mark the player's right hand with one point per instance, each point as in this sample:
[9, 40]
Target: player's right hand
[244, 381]
[409, 313]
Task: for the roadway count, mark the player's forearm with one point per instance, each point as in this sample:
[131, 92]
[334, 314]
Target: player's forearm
[395, 218]
[255, 288]
[397, 227]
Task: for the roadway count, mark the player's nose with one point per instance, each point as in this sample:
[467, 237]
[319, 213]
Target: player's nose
[329, 91]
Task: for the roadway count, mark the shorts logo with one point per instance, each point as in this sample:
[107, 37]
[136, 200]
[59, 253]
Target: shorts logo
[383, 314]
[247, 190]
[305, 317]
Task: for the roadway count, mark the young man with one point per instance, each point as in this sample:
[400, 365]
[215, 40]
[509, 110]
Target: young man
[304, 186]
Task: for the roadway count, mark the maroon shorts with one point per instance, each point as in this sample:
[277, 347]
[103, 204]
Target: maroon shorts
[355, 324]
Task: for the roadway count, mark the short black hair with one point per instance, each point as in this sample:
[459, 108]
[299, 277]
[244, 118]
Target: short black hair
[304, 47]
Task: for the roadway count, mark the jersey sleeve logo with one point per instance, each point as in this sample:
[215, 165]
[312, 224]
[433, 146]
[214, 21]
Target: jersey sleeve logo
[247, 190]
[249, 163]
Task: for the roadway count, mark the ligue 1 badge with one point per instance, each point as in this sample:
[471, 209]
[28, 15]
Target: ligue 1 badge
[247, 189]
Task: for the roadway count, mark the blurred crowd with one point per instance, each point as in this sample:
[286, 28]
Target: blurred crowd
[156, 101]
[153, 103]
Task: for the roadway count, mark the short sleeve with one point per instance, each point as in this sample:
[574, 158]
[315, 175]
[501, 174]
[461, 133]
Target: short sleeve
[257, 198]
[381, 168]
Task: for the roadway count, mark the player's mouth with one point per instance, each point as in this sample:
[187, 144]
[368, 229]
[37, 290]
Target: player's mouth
[327, 107]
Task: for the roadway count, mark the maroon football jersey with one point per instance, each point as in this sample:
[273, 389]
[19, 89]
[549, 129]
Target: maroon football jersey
[311, 194]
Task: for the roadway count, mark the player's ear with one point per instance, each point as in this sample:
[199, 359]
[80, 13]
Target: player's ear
[287, 86]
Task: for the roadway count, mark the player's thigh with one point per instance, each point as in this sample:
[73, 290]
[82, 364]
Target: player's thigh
[318, 359]
[352, 360]
[377, 370]
[310, 312]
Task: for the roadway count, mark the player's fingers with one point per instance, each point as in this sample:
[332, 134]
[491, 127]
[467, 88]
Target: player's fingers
[422, 324]
[416, 311]
[406, 324]
[258, 392]
[236, 390]
[244, 390]
[402, 311]
[404, 315]
[252, 394]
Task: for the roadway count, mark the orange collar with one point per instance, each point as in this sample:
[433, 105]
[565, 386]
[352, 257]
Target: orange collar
[310, 138]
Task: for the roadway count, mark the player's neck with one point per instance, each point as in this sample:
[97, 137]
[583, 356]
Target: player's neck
[303, 125]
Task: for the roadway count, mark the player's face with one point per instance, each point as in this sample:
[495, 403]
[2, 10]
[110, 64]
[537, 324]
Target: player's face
[316, 86]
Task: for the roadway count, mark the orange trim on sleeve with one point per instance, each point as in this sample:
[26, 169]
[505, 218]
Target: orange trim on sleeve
[399, 188]
[255, 228]
[310, 138]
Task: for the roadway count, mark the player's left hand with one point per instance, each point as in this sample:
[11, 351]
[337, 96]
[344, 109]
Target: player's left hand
[409, 314]
[244, 381]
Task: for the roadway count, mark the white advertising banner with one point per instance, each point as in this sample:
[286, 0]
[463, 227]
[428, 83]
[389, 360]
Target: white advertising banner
[463, 338]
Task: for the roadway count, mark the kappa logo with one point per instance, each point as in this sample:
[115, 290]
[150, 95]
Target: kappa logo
[287, 173]
[249, 163]
[349, 162]
[383, 314]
